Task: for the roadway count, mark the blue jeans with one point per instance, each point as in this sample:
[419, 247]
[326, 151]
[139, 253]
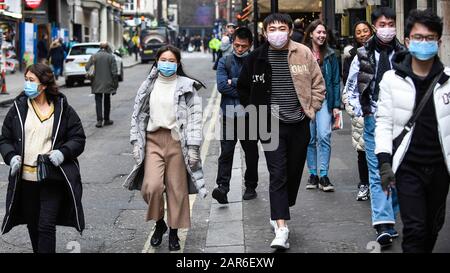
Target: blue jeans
[57, 70]
[320, 142]
[383, 209]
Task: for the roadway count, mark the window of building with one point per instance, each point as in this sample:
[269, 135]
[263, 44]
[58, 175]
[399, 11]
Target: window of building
[86, 34]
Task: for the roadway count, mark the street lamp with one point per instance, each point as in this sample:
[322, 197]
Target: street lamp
[274, 6]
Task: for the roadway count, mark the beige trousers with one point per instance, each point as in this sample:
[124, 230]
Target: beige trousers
[165, 171]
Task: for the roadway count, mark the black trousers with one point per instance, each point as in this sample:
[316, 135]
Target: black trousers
[422, 194]
[40, 205]
[230, 135]
[99, 106]
[285, 165]
[362, 168]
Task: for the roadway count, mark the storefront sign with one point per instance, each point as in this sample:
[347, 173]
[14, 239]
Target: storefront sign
[33, 3]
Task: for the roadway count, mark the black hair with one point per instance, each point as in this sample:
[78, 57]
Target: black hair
[46, 77]
[180, 71]
[424, 17]
[355, 43]
[307, 40]
[383, 11]
[243, 33]
[278, 17]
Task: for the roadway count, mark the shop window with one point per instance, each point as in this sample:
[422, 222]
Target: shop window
[87, 34]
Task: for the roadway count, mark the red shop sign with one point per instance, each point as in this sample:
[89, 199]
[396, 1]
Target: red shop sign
[33, 3]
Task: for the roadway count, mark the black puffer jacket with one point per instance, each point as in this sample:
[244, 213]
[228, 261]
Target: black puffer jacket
[367, 70]
[68, 137]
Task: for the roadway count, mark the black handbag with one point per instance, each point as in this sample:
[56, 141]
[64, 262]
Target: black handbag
[46, 171]
[410, 124]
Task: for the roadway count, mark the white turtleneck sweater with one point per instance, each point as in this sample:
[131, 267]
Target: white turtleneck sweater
[162, 100]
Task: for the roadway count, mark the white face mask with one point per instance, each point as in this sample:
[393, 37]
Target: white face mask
[278, 39]
[386, 35]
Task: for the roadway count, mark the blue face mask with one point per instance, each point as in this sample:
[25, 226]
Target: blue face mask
[423, 51]
[31, 89]
[167, 69]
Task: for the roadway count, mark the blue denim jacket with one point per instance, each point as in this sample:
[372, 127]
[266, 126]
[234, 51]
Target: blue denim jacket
[230, 96]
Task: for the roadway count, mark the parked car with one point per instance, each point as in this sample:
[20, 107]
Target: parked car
[77, 58]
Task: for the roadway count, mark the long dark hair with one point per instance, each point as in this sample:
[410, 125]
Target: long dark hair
[180, 71]
[355, 43]
[45, 75]
[307, 40]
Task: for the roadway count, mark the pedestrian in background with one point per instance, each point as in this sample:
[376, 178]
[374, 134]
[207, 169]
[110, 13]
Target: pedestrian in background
[214, 46]
[228, 72]
[298, 34]
[319, 148]
[363, 85]
[104, 83]
[419, 155]
[56, 57]
[166, 134]
[42, 122]
[282, 79]
[136, 45]
[362, 31]
[205, 44]
[42, 49]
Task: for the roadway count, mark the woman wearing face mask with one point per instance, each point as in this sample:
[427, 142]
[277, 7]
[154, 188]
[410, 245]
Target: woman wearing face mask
[362, 32]
[319, 148]
[42, 122]
[166, 132]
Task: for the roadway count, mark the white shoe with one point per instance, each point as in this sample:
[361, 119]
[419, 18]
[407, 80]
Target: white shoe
[281, 238]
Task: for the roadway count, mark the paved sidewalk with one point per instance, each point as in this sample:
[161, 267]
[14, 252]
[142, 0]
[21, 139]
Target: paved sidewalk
[226, 223]
[14, 82]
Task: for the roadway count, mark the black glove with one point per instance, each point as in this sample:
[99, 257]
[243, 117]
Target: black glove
[387, 176]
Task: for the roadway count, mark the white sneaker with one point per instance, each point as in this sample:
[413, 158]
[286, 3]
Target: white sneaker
[281, 238]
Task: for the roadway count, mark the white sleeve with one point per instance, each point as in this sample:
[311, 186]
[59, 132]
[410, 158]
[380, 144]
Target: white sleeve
[384, 117]
[351, 88]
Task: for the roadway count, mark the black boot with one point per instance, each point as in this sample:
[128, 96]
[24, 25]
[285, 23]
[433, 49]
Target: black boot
[174, 244]
[160, 229]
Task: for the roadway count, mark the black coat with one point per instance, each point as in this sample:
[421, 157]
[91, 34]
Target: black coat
[367, 70]
[68, 137]
[57, 56]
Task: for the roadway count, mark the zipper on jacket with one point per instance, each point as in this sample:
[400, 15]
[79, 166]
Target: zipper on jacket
[20, 172]
[73, 197]
[439, 131]
[59, 124]
[67, 180]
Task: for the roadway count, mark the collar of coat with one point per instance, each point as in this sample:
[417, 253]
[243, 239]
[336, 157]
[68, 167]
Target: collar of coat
[371, 44]
[263, 51]
[59, 102]
[184, 84]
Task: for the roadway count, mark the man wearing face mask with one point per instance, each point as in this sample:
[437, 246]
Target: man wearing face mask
[227, 75]
[421, 158]
[373, 60]
[283, 80]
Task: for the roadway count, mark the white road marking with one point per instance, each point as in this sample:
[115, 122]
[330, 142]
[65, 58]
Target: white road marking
[211, 114]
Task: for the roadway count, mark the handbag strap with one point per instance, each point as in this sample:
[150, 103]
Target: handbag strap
[421, 105]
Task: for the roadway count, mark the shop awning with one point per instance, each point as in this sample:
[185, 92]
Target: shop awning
[291, 6]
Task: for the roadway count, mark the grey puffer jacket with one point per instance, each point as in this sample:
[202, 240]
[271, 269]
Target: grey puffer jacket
[357, 123]
[188, 113]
